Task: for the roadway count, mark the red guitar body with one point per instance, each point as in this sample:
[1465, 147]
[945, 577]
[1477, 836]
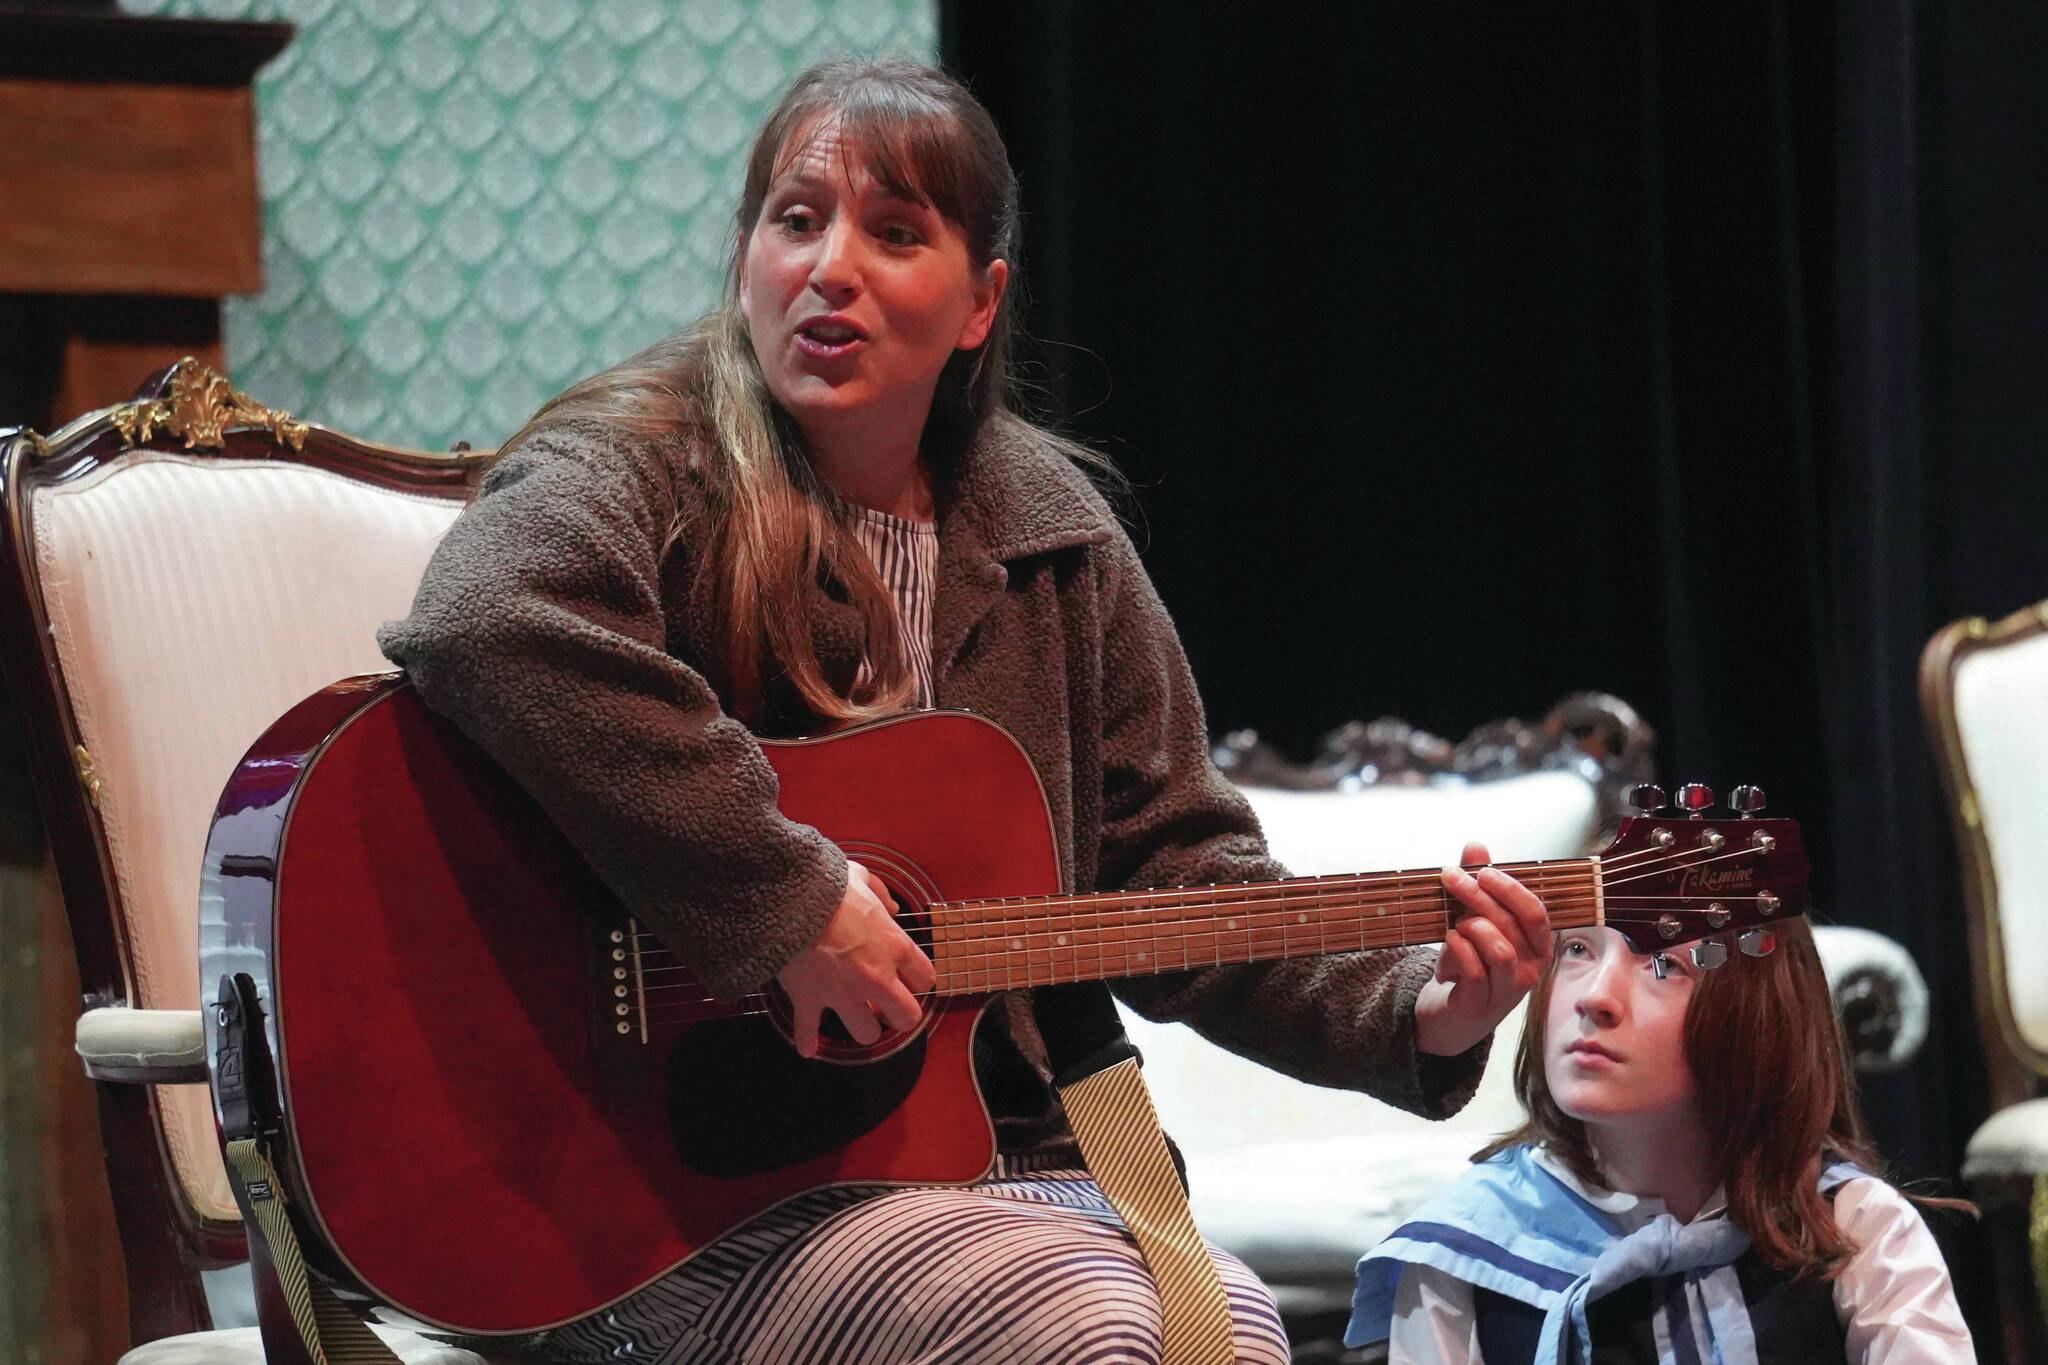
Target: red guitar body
[477, 1125]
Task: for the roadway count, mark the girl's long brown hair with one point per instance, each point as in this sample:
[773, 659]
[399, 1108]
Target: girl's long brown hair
[1775, 1091]
[776, 530]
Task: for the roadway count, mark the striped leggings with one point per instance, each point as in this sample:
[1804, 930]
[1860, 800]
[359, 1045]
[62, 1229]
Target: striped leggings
[1031, 1268]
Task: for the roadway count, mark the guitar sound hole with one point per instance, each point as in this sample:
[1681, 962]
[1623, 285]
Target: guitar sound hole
[741, 1101]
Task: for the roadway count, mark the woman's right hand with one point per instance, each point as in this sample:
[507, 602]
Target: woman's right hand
[862, 967]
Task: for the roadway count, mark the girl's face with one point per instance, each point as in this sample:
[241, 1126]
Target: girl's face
[857, 297]
[1614, 1037]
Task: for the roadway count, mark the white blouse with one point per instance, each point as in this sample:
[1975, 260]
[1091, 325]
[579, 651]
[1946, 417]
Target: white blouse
[1894, 1298]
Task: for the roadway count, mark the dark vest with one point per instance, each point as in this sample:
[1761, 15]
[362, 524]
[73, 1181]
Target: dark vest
[1794, 1320]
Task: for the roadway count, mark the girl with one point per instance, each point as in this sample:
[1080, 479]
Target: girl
[1694, 1183]
[813, 506]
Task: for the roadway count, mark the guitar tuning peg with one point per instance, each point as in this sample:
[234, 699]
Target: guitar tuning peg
[1747, 799]
[1757, 942]
[1693, 798]
[1708, 954]
[1646, 797]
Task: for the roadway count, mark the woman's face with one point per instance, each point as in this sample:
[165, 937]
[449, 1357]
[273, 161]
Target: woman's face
[856, 297]
[1614, 1038]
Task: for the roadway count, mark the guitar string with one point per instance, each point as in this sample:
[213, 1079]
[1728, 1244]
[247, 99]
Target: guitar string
[1297, 889]
[961, 976]
[1266, 913]
[1541, 875]
[959, 982]
[1292, 895]
[1572, 867]
[1274, 909]
[1319, 897]
[1186, 951]
[1550, 874]
[702, 1007]
[1253, 898]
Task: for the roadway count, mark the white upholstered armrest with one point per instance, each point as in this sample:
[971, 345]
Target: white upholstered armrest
[2013, 1141]
[244, 1346]
[148, 1047]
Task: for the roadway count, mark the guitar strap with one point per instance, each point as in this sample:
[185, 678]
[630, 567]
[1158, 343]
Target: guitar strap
[331, 1333]
[1096, 1070]
[319, 1328]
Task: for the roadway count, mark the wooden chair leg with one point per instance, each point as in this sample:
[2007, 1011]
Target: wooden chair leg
[165, 1294]
[2007, 1203]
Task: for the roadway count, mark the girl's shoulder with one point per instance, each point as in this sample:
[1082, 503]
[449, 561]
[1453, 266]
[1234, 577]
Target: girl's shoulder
[1896, 1293]
[1873, 1205]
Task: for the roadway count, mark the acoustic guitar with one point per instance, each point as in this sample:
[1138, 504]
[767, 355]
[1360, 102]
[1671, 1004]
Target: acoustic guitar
[497, 1103]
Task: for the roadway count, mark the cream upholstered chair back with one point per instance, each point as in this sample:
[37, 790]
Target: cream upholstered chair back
[1984, 688]
[187, 567]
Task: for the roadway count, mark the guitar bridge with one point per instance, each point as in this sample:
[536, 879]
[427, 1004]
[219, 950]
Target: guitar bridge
[616, 990]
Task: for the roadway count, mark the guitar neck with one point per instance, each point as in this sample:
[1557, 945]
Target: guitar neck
[996, 945]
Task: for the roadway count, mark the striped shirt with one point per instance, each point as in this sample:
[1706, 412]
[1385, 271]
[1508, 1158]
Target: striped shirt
[906, 555]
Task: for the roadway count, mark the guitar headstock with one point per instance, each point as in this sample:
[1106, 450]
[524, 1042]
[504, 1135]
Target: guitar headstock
[1679, 878]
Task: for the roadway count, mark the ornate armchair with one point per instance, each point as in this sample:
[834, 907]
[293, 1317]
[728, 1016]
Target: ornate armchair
[176, 572]
[1984, 693]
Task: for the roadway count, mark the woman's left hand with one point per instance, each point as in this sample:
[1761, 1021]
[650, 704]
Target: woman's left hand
[1491, 958]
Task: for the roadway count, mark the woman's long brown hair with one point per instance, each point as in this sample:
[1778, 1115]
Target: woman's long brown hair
[1775, 1091]
[776, 530]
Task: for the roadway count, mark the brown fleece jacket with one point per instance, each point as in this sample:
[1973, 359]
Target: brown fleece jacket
[558, 624]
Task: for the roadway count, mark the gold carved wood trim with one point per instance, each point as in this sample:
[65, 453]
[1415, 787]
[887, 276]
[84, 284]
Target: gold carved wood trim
[194, 405]
[200, 408]
[88, 774]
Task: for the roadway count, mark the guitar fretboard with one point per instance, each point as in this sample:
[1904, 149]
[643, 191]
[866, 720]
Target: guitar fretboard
[996, 945]
[984, 946]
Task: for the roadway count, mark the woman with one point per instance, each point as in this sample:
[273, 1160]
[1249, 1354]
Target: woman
[1693, 1183]
[816, 506]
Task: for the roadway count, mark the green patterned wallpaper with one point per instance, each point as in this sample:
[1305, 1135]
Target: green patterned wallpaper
[470, 203]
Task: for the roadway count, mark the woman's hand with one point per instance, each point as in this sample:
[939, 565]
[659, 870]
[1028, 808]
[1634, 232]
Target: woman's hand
[1491, 958]
[862, 966]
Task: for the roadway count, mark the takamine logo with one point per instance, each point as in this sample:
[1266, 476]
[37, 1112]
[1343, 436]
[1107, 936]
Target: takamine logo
[1708, 881]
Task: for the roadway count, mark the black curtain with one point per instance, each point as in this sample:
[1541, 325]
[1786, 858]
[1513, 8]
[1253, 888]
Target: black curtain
[1464, 356]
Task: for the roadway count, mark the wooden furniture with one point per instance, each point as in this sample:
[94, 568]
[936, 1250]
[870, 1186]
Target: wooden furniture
[1984, 694]
[175, 572]
[127, 157]
[128, 152]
